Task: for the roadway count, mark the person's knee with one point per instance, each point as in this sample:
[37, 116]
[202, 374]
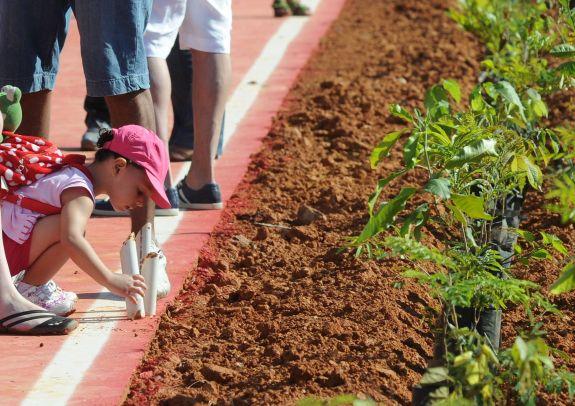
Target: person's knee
[137, 97]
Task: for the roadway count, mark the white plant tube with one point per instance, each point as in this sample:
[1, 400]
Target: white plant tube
[129, 259]
[146, 244]
[150, 274]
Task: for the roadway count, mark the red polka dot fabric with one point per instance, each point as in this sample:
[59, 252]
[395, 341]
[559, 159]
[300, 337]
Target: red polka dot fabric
[25, 159]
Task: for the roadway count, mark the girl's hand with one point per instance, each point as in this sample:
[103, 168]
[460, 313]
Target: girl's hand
[127, 286]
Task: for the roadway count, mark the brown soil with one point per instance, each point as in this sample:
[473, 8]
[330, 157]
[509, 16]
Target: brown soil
[275, 312]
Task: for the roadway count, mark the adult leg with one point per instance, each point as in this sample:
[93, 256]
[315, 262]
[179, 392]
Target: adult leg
[97, 117]
[207, 32]
[33, 33]
[36, 113]
[210, 85]
[134, 108]
[161, 88]
[115, 65]
[182, 136]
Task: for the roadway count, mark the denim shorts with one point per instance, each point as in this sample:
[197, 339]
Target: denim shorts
[33, 32]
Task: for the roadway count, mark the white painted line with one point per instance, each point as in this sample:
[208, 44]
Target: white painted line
[61, 377]
[247, 91]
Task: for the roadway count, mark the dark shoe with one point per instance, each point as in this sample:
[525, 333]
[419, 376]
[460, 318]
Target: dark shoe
[208, 197]
[281, 9]
[92, 134]
[104, 208]
[298, 9]
[174, 202]
[54, 325]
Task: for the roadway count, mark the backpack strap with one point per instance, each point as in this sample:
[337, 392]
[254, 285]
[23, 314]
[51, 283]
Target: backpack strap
[30, 204]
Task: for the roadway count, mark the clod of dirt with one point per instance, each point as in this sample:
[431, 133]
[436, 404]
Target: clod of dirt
[243, 241]
[307, 215]
[211, 289]
[262, 234]
[293, 133]
[301, 273]
[333, 379]
[218, 373]
[299, 373]
[296, 235]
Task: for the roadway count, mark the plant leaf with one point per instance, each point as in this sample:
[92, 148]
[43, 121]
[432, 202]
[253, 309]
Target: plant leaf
[563, 51]
[398, 111]
[508, 92]
[555, 242]
[381, 184]
[385, 215]
[541, 253]
[434, 375]
[382, 149]
[477, 102]
[471, 205]
[522, 163]
[344, 399]
[410, 151]
[566, 281]
[453, 88]
[473, 152]
[567, 69]
[440, 187]
[364, 402]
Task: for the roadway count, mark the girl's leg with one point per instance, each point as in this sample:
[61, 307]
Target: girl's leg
[46, 254]
[161, 89]
[11, 302]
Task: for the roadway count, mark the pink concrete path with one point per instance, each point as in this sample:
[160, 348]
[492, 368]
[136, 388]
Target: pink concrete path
[26, 361]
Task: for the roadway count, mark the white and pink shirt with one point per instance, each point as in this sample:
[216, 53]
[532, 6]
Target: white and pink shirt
[18, 222]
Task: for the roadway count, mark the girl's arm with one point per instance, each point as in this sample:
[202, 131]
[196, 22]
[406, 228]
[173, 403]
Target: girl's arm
[77, 206]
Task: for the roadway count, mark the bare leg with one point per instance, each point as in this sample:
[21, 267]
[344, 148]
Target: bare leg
[47, 256]
[211, 80]
[36, 113]
[134, 108]
[11, 302]
[161, 89]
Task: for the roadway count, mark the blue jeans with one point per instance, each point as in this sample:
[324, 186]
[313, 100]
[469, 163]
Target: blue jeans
[180, 66]
[33, 32]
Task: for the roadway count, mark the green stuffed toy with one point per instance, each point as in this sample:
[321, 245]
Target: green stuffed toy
[10, 107]
[11, 115]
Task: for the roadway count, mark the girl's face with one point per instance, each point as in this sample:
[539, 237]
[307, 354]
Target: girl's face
[130, 186]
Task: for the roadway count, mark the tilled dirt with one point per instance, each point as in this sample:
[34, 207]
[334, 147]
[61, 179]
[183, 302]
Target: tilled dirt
[275, 311]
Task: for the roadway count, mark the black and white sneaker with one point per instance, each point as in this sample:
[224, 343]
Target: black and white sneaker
[104, 208]
[208, 197]
[172, 195]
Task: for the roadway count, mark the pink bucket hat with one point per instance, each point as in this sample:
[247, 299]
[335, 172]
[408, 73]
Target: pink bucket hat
[144, 148]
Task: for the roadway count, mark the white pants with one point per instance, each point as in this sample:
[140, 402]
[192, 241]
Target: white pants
[204, 25]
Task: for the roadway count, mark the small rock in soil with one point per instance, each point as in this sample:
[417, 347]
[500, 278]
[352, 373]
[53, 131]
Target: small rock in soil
[293, 133]
[307, 215]
[243, 241]
[335, 378]
[262, 234]
[299, 373]
[211, 289]
[301, 273]
[218, 373]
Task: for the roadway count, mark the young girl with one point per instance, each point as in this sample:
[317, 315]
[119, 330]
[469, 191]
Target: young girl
[130, 166]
